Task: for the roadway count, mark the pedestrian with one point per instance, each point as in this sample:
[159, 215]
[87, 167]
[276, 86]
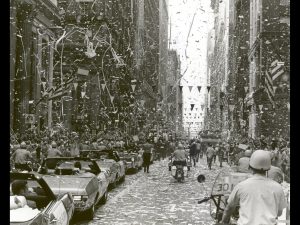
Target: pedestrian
[260, 199]
[209, 154]
[198, 149]
[216, 149]
[221, 153]
[193, 152]
[147, 148]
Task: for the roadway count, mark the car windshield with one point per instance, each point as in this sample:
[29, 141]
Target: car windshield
[67, 166]
[36, 196]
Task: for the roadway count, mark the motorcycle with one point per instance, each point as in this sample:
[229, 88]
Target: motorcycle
[221, 189]
[218, 196]
[179, 172]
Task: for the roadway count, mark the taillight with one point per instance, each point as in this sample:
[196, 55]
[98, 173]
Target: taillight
[85, 198]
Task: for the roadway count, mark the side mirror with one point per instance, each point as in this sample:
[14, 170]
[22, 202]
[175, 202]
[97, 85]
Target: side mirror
[201, 178]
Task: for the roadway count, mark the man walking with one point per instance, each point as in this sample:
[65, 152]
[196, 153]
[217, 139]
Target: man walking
[209, 154]
[193, 153]
[147, 147]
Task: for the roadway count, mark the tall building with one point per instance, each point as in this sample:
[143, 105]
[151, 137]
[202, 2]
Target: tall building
[32, 26]
[218, 69]
[269, 63]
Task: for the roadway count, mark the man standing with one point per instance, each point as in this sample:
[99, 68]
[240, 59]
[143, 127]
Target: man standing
[148, 148]
[54, 152]
[193, 152]
[261, 200]
[221, 153]
[209, 154]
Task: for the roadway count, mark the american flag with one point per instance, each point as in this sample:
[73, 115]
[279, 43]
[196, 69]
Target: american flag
[271, 75]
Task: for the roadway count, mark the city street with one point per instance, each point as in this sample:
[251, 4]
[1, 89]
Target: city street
[157, 198]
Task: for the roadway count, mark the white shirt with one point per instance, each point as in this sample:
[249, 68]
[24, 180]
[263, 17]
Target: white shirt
[260, 200]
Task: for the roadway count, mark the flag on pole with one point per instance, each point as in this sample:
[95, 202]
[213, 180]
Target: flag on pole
[133, 87]
[208, 89]
[199, 88]
[269, 87]
[192, 107]
[276, 69]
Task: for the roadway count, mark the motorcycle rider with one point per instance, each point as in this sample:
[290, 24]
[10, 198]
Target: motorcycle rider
[180, 156]
[21, 157]
[261, 200]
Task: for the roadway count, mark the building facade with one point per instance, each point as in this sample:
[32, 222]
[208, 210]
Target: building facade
[32, 38]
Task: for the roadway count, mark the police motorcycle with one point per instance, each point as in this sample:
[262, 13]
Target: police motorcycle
[222, 186]
[179, 171]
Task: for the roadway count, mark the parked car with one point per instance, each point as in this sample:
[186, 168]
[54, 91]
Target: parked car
[51, 208]
[80, 176]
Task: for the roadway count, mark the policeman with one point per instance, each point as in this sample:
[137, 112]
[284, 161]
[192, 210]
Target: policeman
[243, 163]
[261, 200]
[180, 156]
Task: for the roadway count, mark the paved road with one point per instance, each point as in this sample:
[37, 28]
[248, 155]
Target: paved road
[156, 198]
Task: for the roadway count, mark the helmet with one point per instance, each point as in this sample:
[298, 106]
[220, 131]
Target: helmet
[248, 153]
[23, 144]
[260, 160]
[53, 144]
[180, 146]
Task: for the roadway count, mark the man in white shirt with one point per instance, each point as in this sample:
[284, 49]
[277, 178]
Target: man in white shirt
[261, 200]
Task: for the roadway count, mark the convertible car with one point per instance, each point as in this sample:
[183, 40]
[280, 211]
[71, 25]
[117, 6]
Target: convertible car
[50, 208]
[80, 176]
[109, 163]
[133, 161]
[115, 170]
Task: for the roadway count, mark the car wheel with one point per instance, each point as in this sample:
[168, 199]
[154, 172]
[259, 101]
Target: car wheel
[90, 213]
[103, 200]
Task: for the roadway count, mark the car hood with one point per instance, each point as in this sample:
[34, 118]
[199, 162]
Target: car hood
[72, 184]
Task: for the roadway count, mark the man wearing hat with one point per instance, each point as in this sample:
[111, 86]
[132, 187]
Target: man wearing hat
[260, 199]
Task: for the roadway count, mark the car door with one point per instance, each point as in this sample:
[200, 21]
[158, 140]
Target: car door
[56, 214]
[68, 203]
